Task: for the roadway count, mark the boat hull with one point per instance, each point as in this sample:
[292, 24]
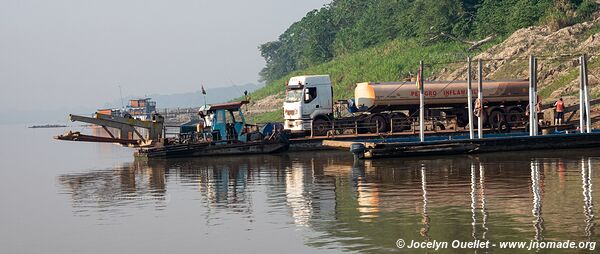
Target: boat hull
[201, 150]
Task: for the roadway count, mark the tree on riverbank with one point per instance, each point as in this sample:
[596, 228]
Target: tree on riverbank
[347, 26]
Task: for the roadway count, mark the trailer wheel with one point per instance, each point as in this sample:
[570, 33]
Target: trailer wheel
[503, 127]
[375, 122]
[321, 126]
[496, 116]
[515, 116]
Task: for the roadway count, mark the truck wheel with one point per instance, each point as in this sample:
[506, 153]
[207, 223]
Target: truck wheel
[377, 121]
[321, 126]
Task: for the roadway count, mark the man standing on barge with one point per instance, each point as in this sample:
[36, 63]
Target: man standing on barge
[560, 108]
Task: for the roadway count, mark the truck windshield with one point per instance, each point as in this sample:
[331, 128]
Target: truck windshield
[294, 95]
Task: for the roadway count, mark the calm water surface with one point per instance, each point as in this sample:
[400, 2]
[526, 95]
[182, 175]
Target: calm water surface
[61, 197]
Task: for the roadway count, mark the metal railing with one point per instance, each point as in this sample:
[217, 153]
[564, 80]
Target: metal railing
[395, 126]
[398, 125]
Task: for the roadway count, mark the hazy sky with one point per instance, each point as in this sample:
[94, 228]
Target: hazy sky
[63, 53]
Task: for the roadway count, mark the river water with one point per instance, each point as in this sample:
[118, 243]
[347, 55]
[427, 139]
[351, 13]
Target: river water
[65, 197]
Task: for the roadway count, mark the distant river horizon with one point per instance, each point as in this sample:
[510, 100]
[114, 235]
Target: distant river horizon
[68, 197]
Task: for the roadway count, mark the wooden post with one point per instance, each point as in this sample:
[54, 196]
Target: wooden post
[480, 98]
[421, 103]
[533, 119]
[470, 99]
[586, 99]
[581, 95]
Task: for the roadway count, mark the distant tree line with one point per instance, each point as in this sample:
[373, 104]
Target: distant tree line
[345, 26]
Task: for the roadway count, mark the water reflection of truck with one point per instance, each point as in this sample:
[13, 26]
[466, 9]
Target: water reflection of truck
[381, 107]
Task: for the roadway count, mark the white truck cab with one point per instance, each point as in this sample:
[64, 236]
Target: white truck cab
[307, 98]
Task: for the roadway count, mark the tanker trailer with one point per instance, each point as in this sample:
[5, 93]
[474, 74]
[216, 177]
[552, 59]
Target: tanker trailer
[309, 103]
[503, 100]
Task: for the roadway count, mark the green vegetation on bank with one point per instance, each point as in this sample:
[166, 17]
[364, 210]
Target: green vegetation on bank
[384, 40]
[568, 78]
[347, 26]
[267, 117]
[391, 61]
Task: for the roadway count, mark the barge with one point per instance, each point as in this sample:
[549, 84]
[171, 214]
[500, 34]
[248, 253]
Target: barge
[463, 145]
[222, 131]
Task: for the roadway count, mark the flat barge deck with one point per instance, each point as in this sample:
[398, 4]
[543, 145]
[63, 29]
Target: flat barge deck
[317, 143]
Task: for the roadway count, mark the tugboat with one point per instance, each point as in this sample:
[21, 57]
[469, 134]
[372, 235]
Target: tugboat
[223, 131]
